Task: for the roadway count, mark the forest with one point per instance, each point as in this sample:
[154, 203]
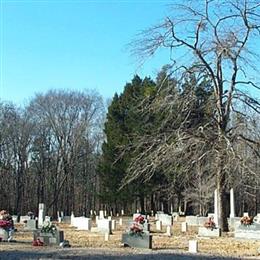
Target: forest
[70, 151]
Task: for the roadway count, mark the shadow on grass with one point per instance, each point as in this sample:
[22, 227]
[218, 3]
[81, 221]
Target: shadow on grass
[90, 254]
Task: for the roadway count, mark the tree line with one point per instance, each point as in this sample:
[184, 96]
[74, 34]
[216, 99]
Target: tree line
[49, 151]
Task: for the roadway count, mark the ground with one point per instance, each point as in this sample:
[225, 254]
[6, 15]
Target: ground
[88, 245]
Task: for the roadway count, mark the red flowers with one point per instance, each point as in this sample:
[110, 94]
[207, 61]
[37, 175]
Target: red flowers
[246, 220]
[5, 223]
[136, 228]
[37, 242]
[139, 219]
[210, 224]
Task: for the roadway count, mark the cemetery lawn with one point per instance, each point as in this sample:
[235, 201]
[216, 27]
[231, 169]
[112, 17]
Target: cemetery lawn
[225, 246]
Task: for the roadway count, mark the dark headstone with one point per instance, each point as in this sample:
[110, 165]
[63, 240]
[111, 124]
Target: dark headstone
[47, 238]
[143, 240]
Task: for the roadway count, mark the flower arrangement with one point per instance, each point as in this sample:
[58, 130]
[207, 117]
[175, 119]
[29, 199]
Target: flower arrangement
[48, 227]
[136, 227]
[6, 221]
[139, 219]
[5, 224]
[210, 224]
[246, 220]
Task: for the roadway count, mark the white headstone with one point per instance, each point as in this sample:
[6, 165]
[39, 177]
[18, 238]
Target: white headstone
[184, 227]
[159, 225]
[104, 226]
[245, 214]
[101, 214]
[72, 217]
[120, 222]
[41, 215]
[193, 246]
[113, 224]
[106, 236]
[122, 212]
[82, 223]
[169, 231]
[15, 219]
[232, 204]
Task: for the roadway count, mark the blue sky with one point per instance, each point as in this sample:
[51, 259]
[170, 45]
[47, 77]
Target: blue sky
[72, 45]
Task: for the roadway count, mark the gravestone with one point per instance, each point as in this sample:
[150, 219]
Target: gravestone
[192, 220]
[106, 236]
[209, 232]
[146, 225]
[24, 219]
[104, 226]
[82, 223]
[15, 219]
[184, 227]
[66, 219]
[175, 216]
[158, 225]
[248, 231]
[31, 224]
[120, 222]
[72, 219]
[169, 231]
[193, 246]
[113, 224]
[165, 219]
[202, 220]
[101, 214]
[233, 222]
[4, 234]
[48, 238]
[41, 214]
[143, 240]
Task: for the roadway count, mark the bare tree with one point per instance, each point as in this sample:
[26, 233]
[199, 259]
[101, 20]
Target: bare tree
[213, 37]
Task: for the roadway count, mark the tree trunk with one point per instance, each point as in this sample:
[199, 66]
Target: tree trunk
[221, 183]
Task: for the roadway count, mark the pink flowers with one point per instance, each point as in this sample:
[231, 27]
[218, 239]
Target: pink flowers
[136, 228]
[210, 224]
[139, 219]
[5, 223]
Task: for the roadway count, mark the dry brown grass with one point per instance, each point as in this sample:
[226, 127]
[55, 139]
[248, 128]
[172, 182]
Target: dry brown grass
[225, 246]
